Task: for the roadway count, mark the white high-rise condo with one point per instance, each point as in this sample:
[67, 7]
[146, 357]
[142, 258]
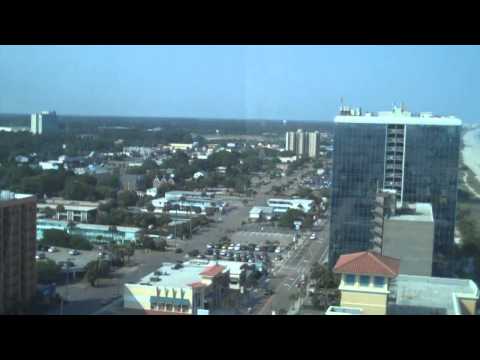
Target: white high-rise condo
[43, 122]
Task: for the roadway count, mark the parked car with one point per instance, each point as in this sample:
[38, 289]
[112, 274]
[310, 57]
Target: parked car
[40, 256]
[278, 250]
[170, 237]
[74, 252]
[209, 246]
[313, 236]
[52, 249]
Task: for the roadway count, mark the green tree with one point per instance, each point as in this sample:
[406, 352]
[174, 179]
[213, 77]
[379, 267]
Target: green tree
[48, 271]
[127, 198]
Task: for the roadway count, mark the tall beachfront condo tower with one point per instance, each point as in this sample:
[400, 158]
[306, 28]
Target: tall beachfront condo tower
[415, 155]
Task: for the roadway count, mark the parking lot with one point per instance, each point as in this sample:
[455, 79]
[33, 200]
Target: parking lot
[79, 261]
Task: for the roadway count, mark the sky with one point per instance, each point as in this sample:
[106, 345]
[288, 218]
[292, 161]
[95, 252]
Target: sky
[246, 82]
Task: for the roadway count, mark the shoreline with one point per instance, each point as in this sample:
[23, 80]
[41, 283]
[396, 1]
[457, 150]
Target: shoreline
[471, 151]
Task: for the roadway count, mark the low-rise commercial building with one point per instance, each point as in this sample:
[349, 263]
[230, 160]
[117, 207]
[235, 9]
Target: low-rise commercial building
[283, 205]
[77, 211]
[261, 213]
[92, 232]
[184, 289]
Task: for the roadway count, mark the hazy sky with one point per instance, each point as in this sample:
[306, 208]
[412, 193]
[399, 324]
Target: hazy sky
[273, 82]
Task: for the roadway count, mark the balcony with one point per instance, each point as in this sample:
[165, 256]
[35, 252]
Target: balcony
[395, 131]
[395, 149]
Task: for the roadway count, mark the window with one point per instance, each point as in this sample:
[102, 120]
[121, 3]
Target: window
[350, 279]
[379, 281]
[364, 280]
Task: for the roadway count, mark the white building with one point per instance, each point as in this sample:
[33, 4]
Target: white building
[261, 212]
[50, 165]
[43, 122]
[153, 192]
[198, 175]
[283, 205]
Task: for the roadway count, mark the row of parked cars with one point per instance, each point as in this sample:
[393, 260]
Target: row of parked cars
[51, 249]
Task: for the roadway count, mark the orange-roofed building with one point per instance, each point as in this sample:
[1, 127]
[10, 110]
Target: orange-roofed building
[365, 281]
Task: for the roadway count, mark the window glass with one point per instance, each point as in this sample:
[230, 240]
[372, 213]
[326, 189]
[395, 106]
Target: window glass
[350, 279]
[364, 280]
[379, 281]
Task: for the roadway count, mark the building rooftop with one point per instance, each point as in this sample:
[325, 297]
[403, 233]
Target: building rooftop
[420, 212]
[190, 274]
[60, 223]
[429, 295]
[368, 263]
[6, 195]
[398, 116]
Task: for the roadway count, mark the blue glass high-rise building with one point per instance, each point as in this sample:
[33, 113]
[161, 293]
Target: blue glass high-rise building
[416, 155]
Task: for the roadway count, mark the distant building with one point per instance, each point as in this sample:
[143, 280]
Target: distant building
[50, 165]
[157, 182]
[78, 211]
[17, 250]
[287, 159]
[91, 232]
[44, 122]
[221, 169]
[179, 146]
[261, 213]
[153, 192]
[303, 143]
[283, 205]
[198, 175]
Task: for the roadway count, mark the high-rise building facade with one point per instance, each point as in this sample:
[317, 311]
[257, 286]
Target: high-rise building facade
[416, 155]
[302, 143]
[43, 122]
[290, 141]
[313, 144]
[17, 250]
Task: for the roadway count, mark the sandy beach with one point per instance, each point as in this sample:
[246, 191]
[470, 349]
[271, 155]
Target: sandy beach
[471, 151]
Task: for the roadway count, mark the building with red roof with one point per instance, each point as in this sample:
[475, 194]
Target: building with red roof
[365, 278]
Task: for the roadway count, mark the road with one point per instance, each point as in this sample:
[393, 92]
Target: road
[85, 299]
[290, 273]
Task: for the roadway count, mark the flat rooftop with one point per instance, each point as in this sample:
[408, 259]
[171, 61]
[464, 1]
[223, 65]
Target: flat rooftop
[64, 224]
[189, 273]
[6, 195]
[428, 295]
[397, 117]
[420, 212]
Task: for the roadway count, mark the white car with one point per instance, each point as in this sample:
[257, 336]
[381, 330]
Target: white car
[313, 237]
[52, 249]
[74, 252]
[278, 250]
[170, 237]
[209, 246]
[40, 256]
